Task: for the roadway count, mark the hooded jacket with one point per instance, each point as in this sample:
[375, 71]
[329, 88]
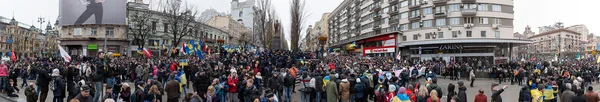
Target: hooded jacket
[480, 98]
[524, 94]
[345, 90]
[435, 87]
[462, 94]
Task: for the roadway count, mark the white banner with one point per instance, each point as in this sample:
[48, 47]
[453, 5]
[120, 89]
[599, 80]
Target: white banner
[379, 50]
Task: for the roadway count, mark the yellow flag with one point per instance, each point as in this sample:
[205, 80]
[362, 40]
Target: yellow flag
[598, 59]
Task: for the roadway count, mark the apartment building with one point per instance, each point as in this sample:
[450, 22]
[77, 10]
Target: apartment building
[426, 29]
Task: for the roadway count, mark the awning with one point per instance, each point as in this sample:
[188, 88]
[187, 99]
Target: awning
[92, 47]
[515, 42]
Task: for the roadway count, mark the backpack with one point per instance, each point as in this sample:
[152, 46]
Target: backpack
[359, 87]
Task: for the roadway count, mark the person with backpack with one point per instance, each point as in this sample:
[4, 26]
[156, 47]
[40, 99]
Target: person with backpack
[59, 86]
[288, 84]
[359, 90]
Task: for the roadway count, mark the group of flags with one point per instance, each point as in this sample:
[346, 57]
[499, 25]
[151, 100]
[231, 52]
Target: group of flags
[191, 47]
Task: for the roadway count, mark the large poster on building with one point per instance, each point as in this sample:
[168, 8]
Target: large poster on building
[78, 12]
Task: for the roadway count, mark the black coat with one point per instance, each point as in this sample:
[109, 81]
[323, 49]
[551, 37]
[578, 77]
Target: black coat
[60, 86]
[43, 77]
[289, 81]
[462, 94]
[579, 98]
[275, 83]
[201, 83]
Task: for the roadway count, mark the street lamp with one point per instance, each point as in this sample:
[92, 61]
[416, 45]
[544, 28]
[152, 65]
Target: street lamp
[322, 40]
[41, 20]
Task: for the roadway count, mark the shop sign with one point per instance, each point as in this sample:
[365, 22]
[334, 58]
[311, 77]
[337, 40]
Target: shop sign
[379, 50]
[451, 47]
[391, 42]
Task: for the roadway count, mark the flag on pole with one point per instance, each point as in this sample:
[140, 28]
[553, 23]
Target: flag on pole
[182, 49]
[163, 45]
[399, 57]
[147, 53]
[64, 54]
[13, 56]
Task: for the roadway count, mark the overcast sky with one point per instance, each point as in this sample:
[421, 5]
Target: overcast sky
[534, 13]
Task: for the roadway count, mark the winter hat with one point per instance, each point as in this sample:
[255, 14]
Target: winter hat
[55, 72]
[391, 88]
[402, 90]
[358, 80]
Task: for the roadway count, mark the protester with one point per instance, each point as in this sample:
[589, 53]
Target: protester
[591, 96]
[30, 93]
[481, 97]
[84, 96]
[172, 90]
[567, 95]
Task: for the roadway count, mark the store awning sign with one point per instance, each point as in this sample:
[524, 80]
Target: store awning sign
[379, 50]
[451, 47]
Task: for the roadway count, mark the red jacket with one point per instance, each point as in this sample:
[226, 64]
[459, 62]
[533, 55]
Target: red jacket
[3, 71]
[232, 82]
[173, 66]
[480, 98]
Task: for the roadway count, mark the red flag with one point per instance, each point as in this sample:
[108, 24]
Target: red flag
[147, 52]
[13, 57]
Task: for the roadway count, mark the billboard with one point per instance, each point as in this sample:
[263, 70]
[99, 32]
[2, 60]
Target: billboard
[78, 12]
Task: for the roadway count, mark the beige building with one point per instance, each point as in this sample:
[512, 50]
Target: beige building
[26, 42]
[88, 40]
[319, 29]
[426, 29]
[238, 33]
[561, 41]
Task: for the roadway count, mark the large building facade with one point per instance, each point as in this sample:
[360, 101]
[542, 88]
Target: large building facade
[238, 33]
[243, 12]
[27, 42]
[426, 29]
[161, 39]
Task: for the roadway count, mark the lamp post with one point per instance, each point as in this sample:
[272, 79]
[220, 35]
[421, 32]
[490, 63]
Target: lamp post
[41, 20]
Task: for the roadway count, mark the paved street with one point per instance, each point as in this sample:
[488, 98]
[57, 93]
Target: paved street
[509, 95]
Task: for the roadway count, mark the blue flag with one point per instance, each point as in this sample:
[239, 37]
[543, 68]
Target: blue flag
[199, 51]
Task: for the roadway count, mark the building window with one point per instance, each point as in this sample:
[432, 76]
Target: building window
[241, 13]
[110, 32]
[154, 25]
[166, 27]
[440, 22]
[440, 9]
[497, 33]
[77, 31]
[415, 37]
[483, 34]
[496, 8]
[454, 21]
[469, 33]
[403, 15]
[404, 38]
[454, 7]
[427, 35]
[440, 35]
[482, 7]
[497, 21]
[415, 25]
[427, 10]
[483, 20]
[468, 20]
[427, 23]
[93, 31]
[403, 3]
[454, 34]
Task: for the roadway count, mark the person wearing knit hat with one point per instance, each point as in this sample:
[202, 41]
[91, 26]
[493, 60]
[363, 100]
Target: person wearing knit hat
[401, 96]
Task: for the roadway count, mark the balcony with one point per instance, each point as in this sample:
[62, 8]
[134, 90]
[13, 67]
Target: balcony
[468, 1]
[391, 2]
[439, 15]
[378, 17]
[469, 12]
[376, 27]
[393, 21]
[440, 2]
[393, 13]
[414, 7]
[375, 8]
[415, 18]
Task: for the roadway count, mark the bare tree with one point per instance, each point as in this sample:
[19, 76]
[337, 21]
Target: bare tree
[261, 25]
[181, 20]
[140, 25]
[298, 16]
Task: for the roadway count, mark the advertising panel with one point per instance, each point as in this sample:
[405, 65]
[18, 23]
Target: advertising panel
[379, 50]
[79, 12]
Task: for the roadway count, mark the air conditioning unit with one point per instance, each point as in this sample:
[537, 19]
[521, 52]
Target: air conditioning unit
[423, 2]
[467, 25]
[449, 27]
[495, 26]
[439, 28]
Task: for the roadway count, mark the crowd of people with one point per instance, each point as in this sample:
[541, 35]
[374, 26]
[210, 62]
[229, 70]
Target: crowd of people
[273, 76]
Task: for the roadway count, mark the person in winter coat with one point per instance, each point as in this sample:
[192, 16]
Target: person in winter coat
[59, 86]
[434, 86]
[591, 96]
[275, 83]
[400, 97]
[318, 87]
[3, 76]
[524, 94]
[288, 84]
[423, 95]
[580, 97]
[462, 92]
[250, 91]
[305, 86]
[433, 97]
[451, 92]
[30, 93]
[481, 97]
[331, 89]
[232, 82]
[359, 90]
[125, 93]
[536, 93]
[567, 95]
[549, 93]
[201, 83]
[496, 97]
[345, 90]
[172, 90]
